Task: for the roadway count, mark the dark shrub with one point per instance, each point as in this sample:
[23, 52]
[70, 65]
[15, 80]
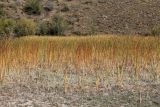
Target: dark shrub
[58, 26]
[1, 11]
[33, 7]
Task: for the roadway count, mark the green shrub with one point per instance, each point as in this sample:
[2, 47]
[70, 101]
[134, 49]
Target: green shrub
[155, 31]
[44, 28]
[25, 27]
[7, 27]
[33, 7]
[58, 26]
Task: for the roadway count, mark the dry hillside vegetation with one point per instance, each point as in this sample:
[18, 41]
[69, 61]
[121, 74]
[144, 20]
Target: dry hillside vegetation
[94, 16]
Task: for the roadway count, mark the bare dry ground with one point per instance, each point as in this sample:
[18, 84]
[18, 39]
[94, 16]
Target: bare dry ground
[43, 88]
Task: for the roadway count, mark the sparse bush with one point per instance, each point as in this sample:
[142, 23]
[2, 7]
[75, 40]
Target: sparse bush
[25, 27]
[1, 11]
[44, 28]
[58, 26]
[33, 7]
[7, 27]
[155, 31]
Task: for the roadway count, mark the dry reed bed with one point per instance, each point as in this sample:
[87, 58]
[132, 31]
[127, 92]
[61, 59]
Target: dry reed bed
[109, 59]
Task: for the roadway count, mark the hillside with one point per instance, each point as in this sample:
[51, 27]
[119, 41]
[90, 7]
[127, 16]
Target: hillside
[95, 16]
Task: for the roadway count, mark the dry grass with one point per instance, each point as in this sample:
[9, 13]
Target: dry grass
[109, 59]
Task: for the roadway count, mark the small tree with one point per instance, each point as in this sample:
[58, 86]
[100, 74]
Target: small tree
[25, 27]
[33, 7]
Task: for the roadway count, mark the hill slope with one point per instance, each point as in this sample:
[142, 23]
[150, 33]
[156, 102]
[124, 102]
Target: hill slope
[95, 16]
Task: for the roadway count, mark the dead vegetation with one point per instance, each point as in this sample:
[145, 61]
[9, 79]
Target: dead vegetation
[116, 70]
